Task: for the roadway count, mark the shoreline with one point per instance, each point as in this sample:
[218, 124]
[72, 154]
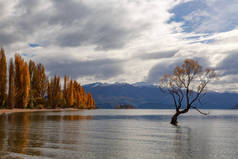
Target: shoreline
[15, 110]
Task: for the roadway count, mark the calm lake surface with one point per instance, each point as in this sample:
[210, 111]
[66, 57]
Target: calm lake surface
[119, 134]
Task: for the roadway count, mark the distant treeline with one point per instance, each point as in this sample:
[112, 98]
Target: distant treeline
[125, 106]
[29, 87]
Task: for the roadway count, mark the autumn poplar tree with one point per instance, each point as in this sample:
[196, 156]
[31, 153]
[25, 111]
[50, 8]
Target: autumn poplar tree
[84, 98]
[18, 80]
[77, 95]
[90, 102]
[11, 85]
[54, 93]
[49, 95]
[38, 84]
[42, 82]
[3, 78]
[22, 82]
[186, 86]
[26, 85]
[32, 67]
[70, 94]
[66, 79]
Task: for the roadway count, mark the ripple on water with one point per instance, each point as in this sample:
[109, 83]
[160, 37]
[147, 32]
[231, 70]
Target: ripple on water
[119, 134]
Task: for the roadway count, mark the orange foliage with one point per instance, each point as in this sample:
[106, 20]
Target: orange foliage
[22, 82]
[28, 86]
[186, 85]
[3, 78]
[11, 85]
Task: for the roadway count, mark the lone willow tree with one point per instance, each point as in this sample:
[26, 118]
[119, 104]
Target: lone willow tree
[186, 85]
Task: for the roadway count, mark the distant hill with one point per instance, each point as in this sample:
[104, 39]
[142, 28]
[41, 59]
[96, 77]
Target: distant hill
[147, 96]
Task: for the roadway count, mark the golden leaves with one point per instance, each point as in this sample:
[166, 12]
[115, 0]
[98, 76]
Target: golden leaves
[188, 80]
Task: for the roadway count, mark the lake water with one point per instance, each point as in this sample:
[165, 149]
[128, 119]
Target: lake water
[119, 134]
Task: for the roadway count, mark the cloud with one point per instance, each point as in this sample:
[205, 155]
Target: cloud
[166, 67]
[105, 37]
[206, 16]
[6, 38]
[162, 68]
[99, 69]
[104, 26]
[122, 41]
[68, 12]
[157, 55]
[72, 23]
[228, 66]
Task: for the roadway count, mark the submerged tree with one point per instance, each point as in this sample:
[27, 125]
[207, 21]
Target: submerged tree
[186, 85]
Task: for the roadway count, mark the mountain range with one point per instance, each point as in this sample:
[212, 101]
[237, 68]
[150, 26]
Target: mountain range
[144, 95]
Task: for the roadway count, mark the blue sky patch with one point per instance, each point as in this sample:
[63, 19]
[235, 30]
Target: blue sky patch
[182, 10]
[33, 45]
[202, 16]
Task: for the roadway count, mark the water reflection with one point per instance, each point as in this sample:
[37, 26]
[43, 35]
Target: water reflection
[21, 133]
[190, 144]
[182, 142]
[68, 117]
[2, 135]
[123, 135]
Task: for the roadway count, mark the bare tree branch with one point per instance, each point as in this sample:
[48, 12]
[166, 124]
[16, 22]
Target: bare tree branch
[187, 85]
[199, 110]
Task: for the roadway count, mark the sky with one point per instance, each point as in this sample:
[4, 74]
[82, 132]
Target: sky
[123, 40]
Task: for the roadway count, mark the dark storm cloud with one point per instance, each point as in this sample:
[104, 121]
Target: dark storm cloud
[104, 37]
[167, 66]
[22, 25]
[30, 19]
[6, 38]
[100, 69]
[104, 26]
[68, 12]
[29, 6]
[229, 66]
[162, 68]
[101, 26]
[158, 55]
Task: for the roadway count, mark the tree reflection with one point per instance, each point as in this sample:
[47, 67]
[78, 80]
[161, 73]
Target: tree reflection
[2, 134]
[189, 144]
[19, 125]
[27, 133]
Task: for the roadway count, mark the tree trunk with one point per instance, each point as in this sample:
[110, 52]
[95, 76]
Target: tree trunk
[174, 119]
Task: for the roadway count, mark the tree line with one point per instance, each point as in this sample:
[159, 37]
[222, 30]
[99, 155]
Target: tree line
[27, 86]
